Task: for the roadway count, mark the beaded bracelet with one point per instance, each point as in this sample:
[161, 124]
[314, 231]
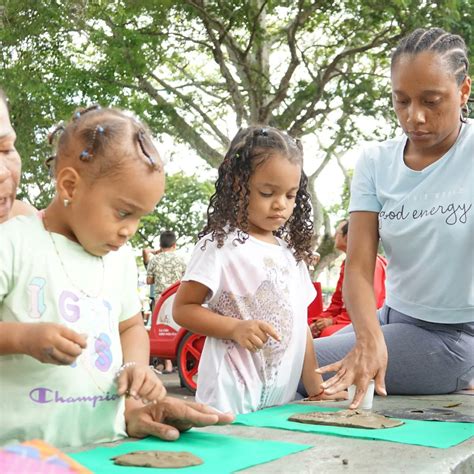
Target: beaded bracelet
[124, 367]
[131, 364]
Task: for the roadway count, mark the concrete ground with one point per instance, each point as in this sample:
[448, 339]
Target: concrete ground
[332, 454]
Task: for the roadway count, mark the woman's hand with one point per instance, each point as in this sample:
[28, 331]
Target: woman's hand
[366, 361]
[140, 382]
[169, 417]
[325, 396]
[253, 335]
[52, 343]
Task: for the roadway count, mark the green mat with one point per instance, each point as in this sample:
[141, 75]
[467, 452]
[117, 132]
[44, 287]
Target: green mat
[435, 434]
[221, 454]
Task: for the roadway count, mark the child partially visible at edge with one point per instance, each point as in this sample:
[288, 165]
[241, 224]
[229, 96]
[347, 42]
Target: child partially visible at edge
[249, 268]
[72, 338]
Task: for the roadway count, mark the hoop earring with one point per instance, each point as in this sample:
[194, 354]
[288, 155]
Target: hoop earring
[66, 202]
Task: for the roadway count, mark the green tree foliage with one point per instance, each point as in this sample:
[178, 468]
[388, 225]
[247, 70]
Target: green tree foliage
[199, 69]
[182, 209]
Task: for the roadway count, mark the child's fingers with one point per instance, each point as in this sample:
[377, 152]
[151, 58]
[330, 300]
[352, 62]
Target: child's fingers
[314, 330]
[69, 348]
[248, 344]
[137, 378]
[146, 390]
[261, 335]
[73, 336]
[53, 355]
[158, 393]
[122, 383]
[256, 341]
[150, 389]
[270, 330]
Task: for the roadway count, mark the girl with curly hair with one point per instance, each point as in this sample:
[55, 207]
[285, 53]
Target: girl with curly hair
[247, 286]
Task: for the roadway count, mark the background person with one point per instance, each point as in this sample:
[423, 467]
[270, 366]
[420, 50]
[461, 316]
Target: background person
[165, 267]
[10, 168]
[415, 193]
[147, 253]
[335, 316]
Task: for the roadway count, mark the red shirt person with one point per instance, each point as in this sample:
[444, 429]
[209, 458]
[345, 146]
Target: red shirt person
[335, 317]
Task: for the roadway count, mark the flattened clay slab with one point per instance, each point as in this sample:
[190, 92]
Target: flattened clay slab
[346, 418]
[158, 459]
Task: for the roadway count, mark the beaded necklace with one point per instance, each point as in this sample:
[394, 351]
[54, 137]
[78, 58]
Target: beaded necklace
[85, 360]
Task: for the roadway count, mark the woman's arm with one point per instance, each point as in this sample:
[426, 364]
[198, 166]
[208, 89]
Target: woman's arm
[368, 359]
[358, 285]
[189, 313]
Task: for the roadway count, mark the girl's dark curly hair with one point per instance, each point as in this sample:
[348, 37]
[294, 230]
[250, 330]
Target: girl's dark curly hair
[227, 211]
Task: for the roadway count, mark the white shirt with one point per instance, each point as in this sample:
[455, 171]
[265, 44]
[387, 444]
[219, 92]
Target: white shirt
[254, 280]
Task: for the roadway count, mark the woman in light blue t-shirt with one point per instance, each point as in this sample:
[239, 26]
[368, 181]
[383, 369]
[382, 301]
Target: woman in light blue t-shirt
[415, 194]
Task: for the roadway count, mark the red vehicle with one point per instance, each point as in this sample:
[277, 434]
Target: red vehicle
[170, 341]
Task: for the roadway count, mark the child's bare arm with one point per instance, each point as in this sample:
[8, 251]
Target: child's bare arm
[311, 380]
[189, 313]
[136, 377]
[49, 343]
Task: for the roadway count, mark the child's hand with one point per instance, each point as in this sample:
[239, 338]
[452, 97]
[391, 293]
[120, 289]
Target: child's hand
[252, 335]
[315, 332]
[53, 343]
[140, 381]
[323, 323]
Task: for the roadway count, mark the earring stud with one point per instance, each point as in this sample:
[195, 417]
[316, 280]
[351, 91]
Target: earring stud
[66, 202]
